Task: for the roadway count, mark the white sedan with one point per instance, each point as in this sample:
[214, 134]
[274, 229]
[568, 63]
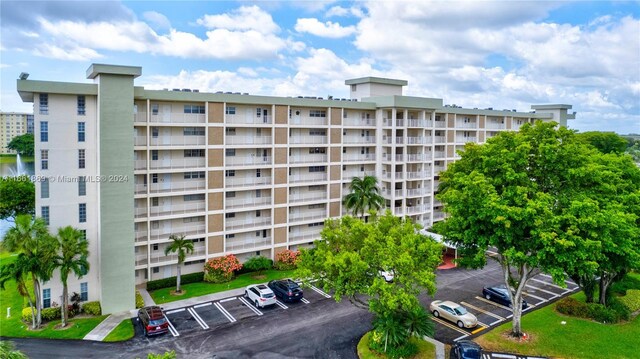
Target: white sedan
[453, 312]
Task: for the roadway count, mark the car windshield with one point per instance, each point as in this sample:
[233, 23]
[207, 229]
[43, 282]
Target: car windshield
[460, 310]
[502, 291]
[471, 352]
[157, 321]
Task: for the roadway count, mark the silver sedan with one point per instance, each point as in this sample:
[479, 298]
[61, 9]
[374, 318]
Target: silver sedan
[453, 312]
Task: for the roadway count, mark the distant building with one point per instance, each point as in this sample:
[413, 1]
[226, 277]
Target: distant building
[30, 124]
[12, 124]
[235, 173]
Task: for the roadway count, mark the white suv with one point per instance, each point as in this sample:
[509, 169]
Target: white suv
[260, 295]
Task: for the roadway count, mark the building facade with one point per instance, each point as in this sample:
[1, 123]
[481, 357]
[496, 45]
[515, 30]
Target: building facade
[12, 124]
[235, 173]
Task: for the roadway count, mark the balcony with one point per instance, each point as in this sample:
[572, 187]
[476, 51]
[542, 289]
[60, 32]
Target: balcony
[367, 122]
[348, 175]
[358, 157]
[139, 140]
[304, 236]
[308, 177]
[248, 140]
[438, 169]
[246, 181]
[177, 209]
[315, 140]
[177, 186]
[306, 120]
[248, 243]
[495, 125]
[164, 233]
[197, 252]
[419, 140]
[306, 216]
[416, 175]
[317, 158]
[397, 211]
[416, 123]
[176, 163]
[307, 197]
[462, 124]
[440, 124]
[358, 139]
[396, 193]
[140, 117]
[416, 192]
[247, 202]
[418, 157]
[141, 259]
[177, 141]
[177, 117]
[248, 222]
[465, 139]
[247, 120]
[439, 154]
[248, 160]
[141, 236]
[416, 209]
[140, 188]
[439, 139]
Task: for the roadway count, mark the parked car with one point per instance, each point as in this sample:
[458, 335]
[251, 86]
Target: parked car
[387, 275]
[286, 289]
[465, 349]
[453, 312]
[500, 295]
[153, 320]
[260, 295]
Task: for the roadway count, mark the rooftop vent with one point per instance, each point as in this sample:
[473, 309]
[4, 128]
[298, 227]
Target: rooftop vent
[176, 89]
[196, 90]
[186, 90]
[245, 93]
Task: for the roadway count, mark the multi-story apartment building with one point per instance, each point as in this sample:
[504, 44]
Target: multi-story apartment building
[235, 173]
[12, 124]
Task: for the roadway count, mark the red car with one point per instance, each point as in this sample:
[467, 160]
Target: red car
[153, 320]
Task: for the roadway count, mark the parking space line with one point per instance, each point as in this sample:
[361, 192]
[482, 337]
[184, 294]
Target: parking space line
[505, 356]
[197, 318]
[542, 290]
[496, 322]
[482, 310]
[175, 311]
[495, 304]
[317, 290]
[228, 299]
[451, 326]
[202, 305]
[304, 300]
[566, 290]
[566, 280]
[281, 305]
[250, 306]
[461, 337]
[224, 312]
[479, 330]
[534, 296]
[172, 329]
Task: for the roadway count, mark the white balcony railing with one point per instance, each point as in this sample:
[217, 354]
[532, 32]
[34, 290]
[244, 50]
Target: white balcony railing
[439, 139]
[462, 124]
[178, 141]
[439, 154]
[247, 202]
[413, 175]
[437, 170]
[417, 157]
[495, 125]
[247, 160]
[297, 158]
[308, 177]
[358, 157]
[307, 197]
[197, 252]
[236, 244]
[416, 209]
[305, 236]
[416, 192]
[440, 124]
[246, 181]
[358, 122]
[418, 140]
[141, 236]
[248, 140]
[177, 209]
[139, 141]
[164, 233]
[463, 139]
[306, 215]
[140, 188]
[249, 120]
[416, 123]
[297, 139]
[177, 117]
[171, 163]
[248, 222]
[358, 139]
[140, 117]
[177, 186]
[306, 120]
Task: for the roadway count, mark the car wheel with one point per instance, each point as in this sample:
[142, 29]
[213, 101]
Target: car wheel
[487, 296]
[436, 314]
[257, 305]
[460, 324]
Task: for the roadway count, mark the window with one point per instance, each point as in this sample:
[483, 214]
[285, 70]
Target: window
[194, 153]
[154, 178]
[317, 113]
[154, 155]
[82, 212]
[193, 131]
[258, 213]
[344, 113]
[316, 188]
[194, 175]
[230, 110]
[44, 188]
[230, 131]
[44, 131]
[258, 173]
[81, 159]
[46, 298]
[258, 193]
[84, 291]
[154, 132]
[155, 247]
[81, 126]
[44, 213]
[230, 215]
[154, 109]
[194, 197]
[317, 132]
[44, 103]
[154, 201]
[81, 105]
[231, 194]
[229, 236]
[230, 152]
[317, 150]
[193, 109]
[317, 224]
[314, 206]
[156, 270]
[354, 87]
[230, 173]
[317, 169]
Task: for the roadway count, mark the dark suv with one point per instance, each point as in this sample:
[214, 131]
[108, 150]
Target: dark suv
[153, 320]
[465, 349]
[500, 295]
[286, 289]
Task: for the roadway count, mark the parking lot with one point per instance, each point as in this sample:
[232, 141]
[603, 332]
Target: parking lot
[213, 314]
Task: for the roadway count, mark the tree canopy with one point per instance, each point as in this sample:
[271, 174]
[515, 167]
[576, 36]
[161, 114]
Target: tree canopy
[364, 195]
[605, 142]
[17, 196]
[23, 144]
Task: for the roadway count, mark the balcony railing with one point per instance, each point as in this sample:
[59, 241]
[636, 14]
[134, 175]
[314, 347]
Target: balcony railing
[421, 140]
[140, 117]
[416, 192]
[358, 139]
[495, 125]
[305, 236]
[358, 157]
[438, 169]
[416, 123]
[439, 154]
[178, 141]
[247, 202]
[177, 117]
[246, 181]
[249, 120]
[414, 175]
[462, 124]
[141, 236]
[248, 222]
[141, 259]
[416, 209]
[164, 233]
[308, 177]
[236, 244]
[307, 197]
[440, 124]
[306, 120]
[296, 158]
[197, 252]
[156, 211]
[306, 215]
[248, 140]
[177, 186]
[298, 139]
[358, 122]
[462, 139]
[418, 157]
[348, 176]
[247, 160]
[140, 188]
[171, 163]
[439, 139]
[139, 141]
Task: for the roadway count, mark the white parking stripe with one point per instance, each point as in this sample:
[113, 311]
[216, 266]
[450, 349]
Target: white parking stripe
[496, 322]
[482, 310]
[566, 281]
[494, 303]
[304, 300]
[542, 290]
[451, 326]
[281, 305]
[317, 290]
[565, 290]
[172, 329]
[228, 299]
[202, 305]
[534, 296]
[197, 318]
[486, 356]
[250, 306]
[461, 337]
[224, 312]
[175, 311]
[505, 356]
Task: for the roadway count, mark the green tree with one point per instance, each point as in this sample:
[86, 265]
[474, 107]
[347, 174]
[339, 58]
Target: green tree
[74, 250]
[351, 253]
[364, 196]
[31, 238]
[182, 247]
[605, 142]
[520, 193]
[23, 144]
[8, 351]
[17, 196]
[18, 271]
[258, 264]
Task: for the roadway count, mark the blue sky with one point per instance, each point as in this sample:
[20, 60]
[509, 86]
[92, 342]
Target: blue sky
[505, 54]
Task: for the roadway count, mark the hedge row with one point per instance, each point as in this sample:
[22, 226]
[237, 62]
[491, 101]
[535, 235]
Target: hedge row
[171, 281]
[614, 313]
[631, 300]
[139, 300]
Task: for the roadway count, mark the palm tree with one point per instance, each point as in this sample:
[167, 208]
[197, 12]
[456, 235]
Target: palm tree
[364, 196]
[18, 271]
[417, 323]
[182, 247]
[31, 237]
[8, 351]
[72, 258]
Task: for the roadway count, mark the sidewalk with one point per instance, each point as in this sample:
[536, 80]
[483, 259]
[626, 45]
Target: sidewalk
[440, 352]
[103, 329]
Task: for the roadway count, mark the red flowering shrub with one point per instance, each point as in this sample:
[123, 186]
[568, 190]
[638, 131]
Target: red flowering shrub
[287, 259]
[221, 269]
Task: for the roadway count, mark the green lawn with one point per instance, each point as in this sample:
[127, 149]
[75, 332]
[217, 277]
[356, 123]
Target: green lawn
[203, 288]
[12, 159]
[124, 331]
[426, 350]
[578, 338]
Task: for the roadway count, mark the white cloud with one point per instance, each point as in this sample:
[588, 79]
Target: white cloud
[159, 21]
[328, 29]
[68, 53]
[244, 18]
[337, 11]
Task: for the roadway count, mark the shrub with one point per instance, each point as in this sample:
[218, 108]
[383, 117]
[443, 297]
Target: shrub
[406, 351]
[573, 307]
[258, 264]
[50, 314]
[171, 281]
[600, 313]
[74, 307]
[631, 300]
[221, 269]
[287, 259]
[139, 300]
[26, 314]
[92, 308]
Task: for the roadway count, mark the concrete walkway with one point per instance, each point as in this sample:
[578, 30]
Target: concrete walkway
[439, 347]
[103, 329]
[146, 297]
